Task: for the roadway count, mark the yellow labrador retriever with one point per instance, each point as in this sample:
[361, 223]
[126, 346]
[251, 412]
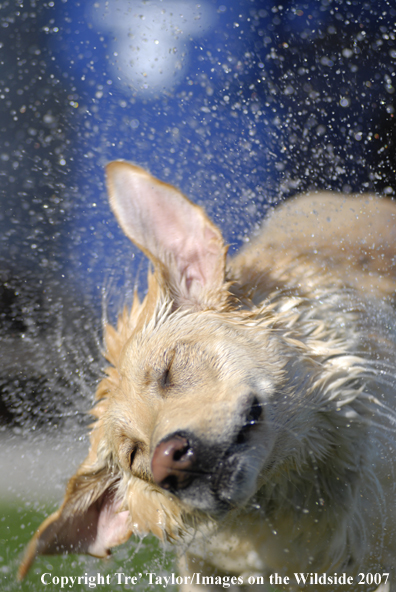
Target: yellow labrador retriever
[249, 409]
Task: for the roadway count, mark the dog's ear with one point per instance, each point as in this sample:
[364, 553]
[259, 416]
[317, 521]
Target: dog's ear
[174, 233]
[89, 521]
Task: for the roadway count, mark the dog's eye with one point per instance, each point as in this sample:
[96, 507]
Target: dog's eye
[132, 457]
[255, 412]
[166, 378]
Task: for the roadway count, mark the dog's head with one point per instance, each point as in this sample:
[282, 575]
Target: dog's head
[182, 426]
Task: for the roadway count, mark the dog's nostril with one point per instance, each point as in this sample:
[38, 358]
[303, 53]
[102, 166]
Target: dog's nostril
[180, 452]
[170, 483]
[172, 463]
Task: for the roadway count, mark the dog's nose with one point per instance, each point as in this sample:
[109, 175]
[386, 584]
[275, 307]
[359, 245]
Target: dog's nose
[172, 463]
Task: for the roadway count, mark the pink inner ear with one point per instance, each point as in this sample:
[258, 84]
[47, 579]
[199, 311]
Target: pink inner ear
[113, 527]
[200, 260]
[95, 531]
[160, 220]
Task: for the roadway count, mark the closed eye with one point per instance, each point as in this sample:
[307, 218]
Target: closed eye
[166, 378]
[132, 457]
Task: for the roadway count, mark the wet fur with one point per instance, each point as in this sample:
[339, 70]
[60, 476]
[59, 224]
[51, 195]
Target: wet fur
[302, 323]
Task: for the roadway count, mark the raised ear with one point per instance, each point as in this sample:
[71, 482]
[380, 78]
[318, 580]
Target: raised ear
[173, 232]
[89, 520]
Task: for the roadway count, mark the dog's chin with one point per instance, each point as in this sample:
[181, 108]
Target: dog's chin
[230, 488]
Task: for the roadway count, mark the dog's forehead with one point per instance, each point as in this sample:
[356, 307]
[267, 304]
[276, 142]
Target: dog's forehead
[197, 338]
[148, 365]
[195, 351]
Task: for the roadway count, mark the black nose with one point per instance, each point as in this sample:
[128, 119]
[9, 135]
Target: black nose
[172, 463]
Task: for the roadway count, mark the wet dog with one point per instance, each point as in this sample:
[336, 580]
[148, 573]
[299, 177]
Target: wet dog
[248, 411]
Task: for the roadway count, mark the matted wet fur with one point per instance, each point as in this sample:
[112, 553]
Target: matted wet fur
[248, 412]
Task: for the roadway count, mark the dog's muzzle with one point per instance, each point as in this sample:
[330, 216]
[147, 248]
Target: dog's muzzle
[207, 475]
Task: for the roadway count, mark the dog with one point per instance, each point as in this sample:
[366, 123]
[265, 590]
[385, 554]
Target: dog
[248, 410]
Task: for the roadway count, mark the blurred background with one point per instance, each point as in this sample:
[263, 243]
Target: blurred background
[240, 104]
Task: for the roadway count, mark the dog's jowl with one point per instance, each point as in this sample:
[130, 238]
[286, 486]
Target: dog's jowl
[248, 412]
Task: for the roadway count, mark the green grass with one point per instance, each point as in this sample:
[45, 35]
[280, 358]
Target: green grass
[19, 522]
